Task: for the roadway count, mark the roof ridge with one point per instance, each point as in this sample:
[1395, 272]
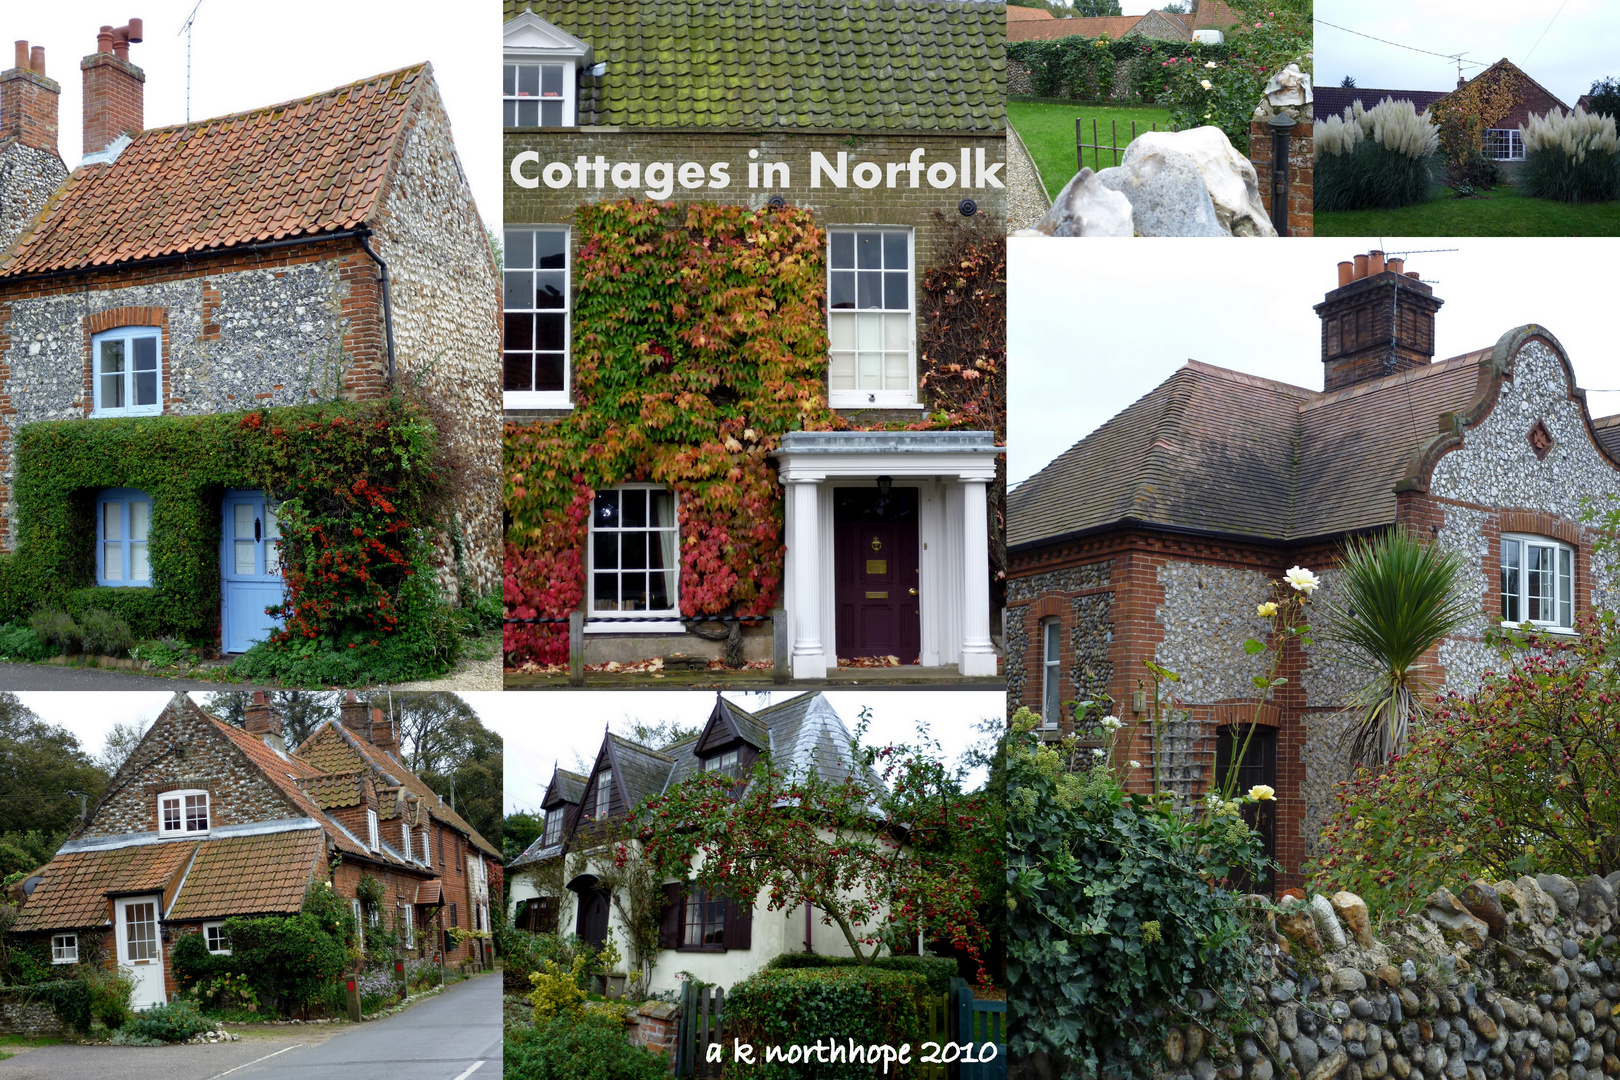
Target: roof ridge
[638, 746]
[418, 66]
[1384, 382]
[1233, 375]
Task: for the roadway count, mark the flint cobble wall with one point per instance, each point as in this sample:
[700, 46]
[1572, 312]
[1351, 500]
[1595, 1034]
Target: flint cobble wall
[28, 176]
[20, 1016]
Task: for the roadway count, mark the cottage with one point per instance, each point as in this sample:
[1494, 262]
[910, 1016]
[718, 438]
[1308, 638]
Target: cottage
[314, 250]
[1155, 537]
[206, 821]
[554, 888]
[882, 154]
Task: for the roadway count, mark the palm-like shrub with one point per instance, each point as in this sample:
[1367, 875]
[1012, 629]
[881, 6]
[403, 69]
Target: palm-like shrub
[1380, 157]
[1397, 600]
[1572, 157]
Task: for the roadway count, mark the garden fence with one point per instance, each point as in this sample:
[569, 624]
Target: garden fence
[979, 1022]
[702, 1013]
[1096, 146]
[936, 1026]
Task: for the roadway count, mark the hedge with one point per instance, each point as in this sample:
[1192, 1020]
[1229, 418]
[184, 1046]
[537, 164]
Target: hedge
[937, 970]
[858, 1006]
[1087, 65]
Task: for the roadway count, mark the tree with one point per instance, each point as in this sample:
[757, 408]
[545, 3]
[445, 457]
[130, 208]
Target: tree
[1174, 8]
[518, 831]
[40, 764]
[120, 743]
[473, 788]
[882, 862]
[301, 711]
[1092, 8]
[1397, 599]
[1605, 97]
[1348, 82]
[661, 733]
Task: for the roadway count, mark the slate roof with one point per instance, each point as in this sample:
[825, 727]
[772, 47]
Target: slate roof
[314, 165]
[920, 65]
[1216, 451]
[1329, 101]
[249, 875]
[567, 786]
[74, 890]
[753, 731]
[641, 769]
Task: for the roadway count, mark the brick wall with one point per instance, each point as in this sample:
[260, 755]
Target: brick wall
[1300, 169]
[29, 106]
[114, 90]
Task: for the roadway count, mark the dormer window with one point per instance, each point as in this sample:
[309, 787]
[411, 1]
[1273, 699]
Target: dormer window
[728, 763]
[405, 839]
[427, 845]
[1538, 583]
[541, 74]
[553, 833]
[182, 813]
[604, 793]
[371, 824]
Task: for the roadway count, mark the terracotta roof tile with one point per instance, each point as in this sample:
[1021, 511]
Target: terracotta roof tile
[430, 892]
[337, 789]
[74, 892]
[301, 167]
[1115, 26]
[249, 875]
[1027, 14]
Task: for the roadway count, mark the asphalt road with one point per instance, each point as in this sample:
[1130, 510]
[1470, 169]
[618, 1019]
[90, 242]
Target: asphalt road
[49, 677]
[454, 1036]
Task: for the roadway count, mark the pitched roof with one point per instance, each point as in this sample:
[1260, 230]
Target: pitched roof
[847, 64]
[565, 786]
[315, 165]
[338, 789]
[1607, 430]
[1329, 101]
[1114, 26]
[1027, 14]
[1216, 451]
[249, 875]
[641, 769]
[1212, 15]
[430, 892]
[75, 886]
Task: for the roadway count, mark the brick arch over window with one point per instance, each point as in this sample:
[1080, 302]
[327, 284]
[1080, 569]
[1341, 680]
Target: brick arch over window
[111, 319]
[1539, 524]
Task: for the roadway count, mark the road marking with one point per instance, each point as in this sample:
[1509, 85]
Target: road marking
[474, 1067]
[255, 1061]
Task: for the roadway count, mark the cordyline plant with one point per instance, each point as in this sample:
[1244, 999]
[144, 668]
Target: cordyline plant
[883, 859]
[1518, 776]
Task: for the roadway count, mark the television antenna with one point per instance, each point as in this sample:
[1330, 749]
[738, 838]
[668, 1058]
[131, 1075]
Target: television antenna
[186, 30]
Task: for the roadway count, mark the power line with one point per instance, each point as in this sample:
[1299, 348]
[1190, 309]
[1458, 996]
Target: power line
[1454, 57]
[1554, 19]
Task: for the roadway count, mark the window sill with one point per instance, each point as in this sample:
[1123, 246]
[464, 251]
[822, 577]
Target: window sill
[122, 584]
[866, 399]
[701, 948]
[661, 624]
[115, 414]
[1556, 631]
[536, 399]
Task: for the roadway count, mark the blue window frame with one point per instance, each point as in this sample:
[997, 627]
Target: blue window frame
[128, 374]
[123, 520]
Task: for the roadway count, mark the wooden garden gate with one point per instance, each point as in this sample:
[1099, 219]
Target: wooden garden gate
[979, 1022]
[702, 1013]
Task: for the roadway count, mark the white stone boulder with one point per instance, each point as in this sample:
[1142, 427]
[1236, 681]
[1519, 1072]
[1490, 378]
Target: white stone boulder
[1228, 175]
[1086, 207]
[1167, 195]
[1290, 86]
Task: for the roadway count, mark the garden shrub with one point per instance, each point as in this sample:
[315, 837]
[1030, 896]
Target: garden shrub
[1572, 157]
[584, 1045]
[292, 959]
[68, 998]
[778, 1007]
[1519, 776]
[192, 963]
[18, 641]
[1381, 157]
[175, 1021]
[1114, 898]
[56, 629]
[105, 634]
[358, 485]
[111, 991]
[937, 971]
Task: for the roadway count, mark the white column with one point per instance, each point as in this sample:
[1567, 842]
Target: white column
[978, 657]
[809, 657]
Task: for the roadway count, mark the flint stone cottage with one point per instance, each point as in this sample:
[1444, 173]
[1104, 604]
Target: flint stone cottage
[762, 86]
[1156, 536]
[717, 939]
[206, 821]
[319, 249]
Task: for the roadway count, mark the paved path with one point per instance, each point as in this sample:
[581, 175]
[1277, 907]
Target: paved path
[1027, 200]
[453, 1036]
[50, 677]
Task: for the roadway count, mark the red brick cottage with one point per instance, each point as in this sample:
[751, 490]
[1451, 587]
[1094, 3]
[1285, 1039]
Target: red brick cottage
[319, 249]
[1155, 537]
[206, 821]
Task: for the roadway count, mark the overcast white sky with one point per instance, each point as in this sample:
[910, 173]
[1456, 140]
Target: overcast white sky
[1576, 47]
[565, 728]
[248, 55]
[1092, 325]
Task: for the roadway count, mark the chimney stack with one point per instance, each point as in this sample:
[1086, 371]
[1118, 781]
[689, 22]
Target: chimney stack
[368, 724]
[1380, 320]
[28, 101]
[114, 88]
[259, 719]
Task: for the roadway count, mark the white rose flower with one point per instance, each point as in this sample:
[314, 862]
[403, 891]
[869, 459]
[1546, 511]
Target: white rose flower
[1205, 84]
[1210, 64]
[1097, 752]
[1301, 579]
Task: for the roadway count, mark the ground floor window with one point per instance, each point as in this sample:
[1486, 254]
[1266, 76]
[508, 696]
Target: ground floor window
[218, 941]
[65, 949]
[123, 520]
[635, 552]
[1051, 673]
[1504, 144]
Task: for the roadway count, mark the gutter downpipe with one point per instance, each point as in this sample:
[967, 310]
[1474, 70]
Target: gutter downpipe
[363, 234]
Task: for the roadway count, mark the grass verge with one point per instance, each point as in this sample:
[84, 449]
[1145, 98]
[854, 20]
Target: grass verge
[1503, 211]
[1048, 132]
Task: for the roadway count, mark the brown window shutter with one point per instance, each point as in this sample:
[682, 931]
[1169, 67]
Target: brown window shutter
[669, 918]
[739, 925]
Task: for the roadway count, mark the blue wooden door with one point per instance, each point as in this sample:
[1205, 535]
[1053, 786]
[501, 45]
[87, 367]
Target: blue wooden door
[250, 570]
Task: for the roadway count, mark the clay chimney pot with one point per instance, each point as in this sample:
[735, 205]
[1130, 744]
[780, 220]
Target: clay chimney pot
[1395, 266]
[1375, 264]
[37, 63]
[104, 40]
[1346, 273]
[1413, 274]
[22, 54]
[1361, 267]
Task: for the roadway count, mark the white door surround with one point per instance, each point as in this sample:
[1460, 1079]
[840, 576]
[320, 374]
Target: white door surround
[951, 470]
[140, 947]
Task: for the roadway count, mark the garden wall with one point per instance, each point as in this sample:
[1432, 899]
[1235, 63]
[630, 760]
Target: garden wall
[1520, 979]
[19, 1016]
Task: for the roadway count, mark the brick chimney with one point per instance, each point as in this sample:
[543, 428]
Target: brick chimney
[28, 101]
[1380, 320]
[114, 88]
[369, 724]
[260, 719]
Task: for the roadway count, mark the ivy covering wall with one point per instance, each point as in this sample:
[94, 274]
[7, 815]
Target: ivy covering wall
[699, 338]
[356, 483]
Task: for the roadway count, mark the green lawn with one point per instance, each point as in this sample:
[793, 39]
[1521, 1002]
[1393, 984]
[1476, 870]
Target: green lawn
[1504, 212]
[1048, 132]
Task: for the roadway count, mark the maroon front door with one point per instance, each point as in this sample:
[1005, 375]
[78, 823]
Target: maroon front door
[875, 573]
